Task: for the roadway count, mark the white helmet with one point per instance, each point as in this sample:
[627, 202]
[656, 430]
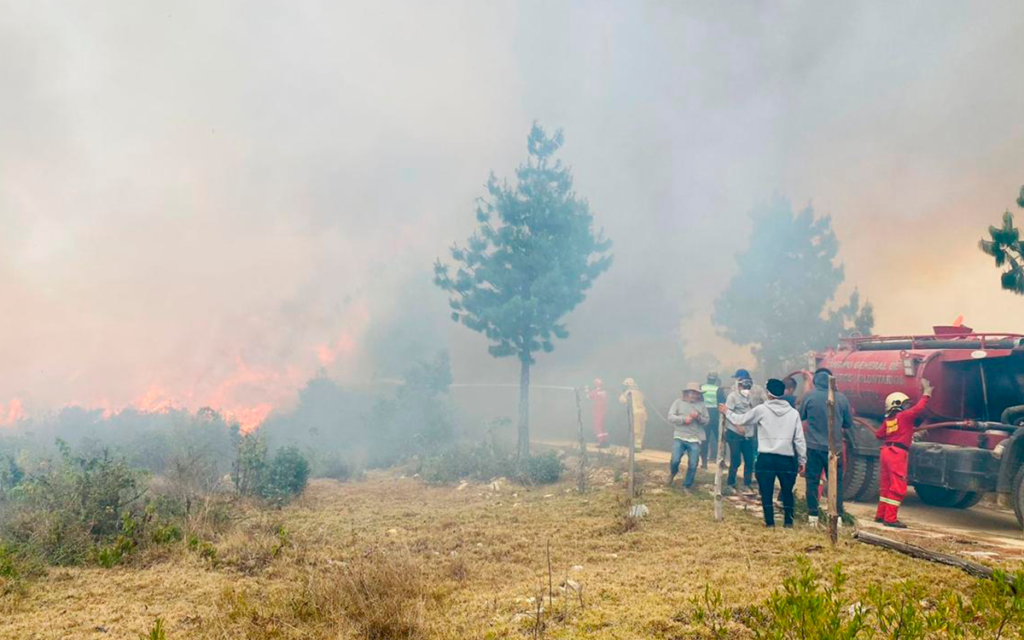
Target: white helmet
[895, 401]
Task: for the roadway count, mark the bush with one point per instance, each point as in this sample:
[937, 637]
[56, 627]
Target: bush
[83, 501]
[485, 462]
[11, 475]
[278, 480]
[288, 475]
[481, 462]
[806, 608]
[545, 468]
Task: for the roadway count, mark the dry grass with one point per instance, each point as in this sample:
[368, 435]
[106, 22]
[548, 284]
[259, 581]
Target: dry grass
[392, 558]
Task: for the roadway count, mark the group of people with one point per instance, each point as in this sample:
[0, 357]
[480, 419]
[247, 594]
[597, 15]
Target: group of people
[774, 437]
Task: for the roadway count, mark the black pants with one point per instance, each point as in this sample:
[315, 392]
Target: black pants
[709, 448]
[769, 467]
[817, 461]
[740, 446]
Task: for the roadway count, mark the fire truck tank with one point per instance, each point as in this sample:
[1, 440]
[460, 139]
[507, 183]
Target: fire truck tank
[975, 376]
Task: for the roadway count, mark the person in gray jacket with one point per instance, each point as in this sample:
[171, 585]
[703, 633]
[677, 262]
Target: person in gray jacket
[742, 440]
[814, 409]
[782, 451]
[688, 415]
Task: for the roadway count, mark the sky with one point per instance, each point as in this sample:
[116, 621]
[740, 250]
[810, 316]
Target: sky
[205, 203]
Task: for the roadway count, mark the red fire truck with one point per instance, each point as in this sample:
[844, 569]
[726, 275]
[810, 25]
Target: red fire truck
[971, 441]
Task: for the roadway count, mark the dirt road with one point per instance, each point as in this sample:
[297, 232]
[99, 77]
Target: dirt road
[980, 532]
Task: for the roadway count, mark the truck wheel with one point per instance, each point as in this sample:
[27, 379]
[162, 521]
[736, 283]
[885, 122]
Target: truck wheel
[856, 473]
[972, 498]
[869, 492]
[942, 497]
[1018, 496]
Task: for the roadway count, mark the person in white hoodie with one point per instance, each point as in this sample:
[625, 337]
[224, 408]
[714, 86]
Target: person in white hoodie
[781, 448]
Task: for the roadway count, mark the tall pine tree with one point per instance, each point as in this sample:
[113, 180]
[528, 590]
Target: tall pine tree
[778, 300]
[527, 265]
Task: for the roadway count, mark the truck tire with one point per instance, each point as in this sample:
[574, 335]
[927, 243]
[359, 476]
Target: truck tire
[1018, 496]
[972, 498]
[949, 498]
[856, 474]
[869, 492]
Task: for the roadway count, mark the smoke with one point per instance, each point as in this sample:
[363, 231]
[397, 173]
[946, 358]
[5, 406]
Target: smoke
[204, 204]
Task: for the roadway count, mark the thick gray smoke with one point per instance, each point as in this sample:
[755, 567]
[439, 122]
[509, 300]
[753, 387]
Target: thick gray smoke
[204, 203]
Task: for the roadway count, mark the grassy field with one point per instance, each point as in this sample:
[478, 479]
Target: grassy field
[392, 557]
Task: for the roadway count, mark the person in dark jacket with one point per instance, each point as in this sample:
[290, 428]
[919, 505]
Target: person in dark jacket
[814, 411]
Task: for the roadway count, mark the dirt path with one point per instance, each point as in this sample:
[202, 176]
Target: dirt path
[980, 532]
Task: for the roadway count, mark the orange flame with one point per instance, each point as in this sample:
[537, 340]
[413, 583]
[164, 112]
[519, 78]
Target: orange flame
[12, 412]
[247, 393]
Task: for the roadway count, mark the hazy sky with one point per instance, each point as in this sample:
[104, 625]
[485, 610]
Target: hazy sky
[204, 202]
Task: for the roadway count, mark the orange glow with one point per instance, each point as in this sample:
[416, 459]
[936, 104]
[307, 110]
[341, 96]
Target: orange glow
[241, 389]
[12, 412]
[249, 418]
[154, 400]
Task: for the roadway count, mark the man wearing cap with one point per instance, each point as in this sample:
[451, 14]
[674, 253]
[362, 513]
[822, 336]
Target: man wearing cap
[781, 448]
[741, 438]
[688, 415]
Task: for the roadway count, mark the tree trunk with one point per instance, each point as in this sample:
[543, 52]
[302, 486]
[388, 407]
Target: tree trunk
[523, 450]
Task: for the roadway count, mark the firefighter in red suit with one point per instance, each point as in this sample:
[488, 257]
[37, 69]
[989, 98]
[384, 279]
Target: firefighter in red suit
[599, 397]
[897, 434]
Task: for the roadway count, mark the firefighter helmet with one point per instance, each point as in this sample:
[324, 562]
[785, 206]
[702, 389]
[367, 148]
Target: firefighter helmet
[895, 401]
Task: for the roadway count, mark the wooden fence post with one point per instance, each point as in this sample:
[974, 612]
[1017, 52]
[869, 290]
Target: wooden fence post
[581, 472]
[720, 467]
[833, 463]
[632, 447]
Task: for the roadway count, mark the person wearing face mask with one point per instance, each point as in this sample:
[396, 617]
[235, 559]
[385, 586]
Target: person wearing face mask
[741, 438]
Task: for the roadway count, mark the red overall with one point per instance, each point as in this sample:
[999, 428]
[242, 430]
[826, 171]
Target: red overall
[600, 399]
[896, 433]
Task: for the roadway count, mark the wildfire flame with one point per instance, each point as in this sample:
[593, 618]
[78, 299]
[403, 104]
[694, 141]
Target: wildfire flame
[247, 393]
[12, 412]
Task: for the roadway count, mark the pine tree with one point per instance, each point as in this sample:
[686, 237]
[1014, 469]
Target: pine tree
[1008, 250]
[778, 300]
[528, 264]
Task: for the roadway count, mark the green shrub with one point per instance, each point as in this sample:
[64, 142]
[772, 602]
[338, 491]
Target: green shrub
[805, 607]
[485, 462]
[279, 479]
[545, 468]
[250, 468]
[62, 512]
[289, 474]
[11, 475]
[480, 462]
[166, 534]
[204, 549]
